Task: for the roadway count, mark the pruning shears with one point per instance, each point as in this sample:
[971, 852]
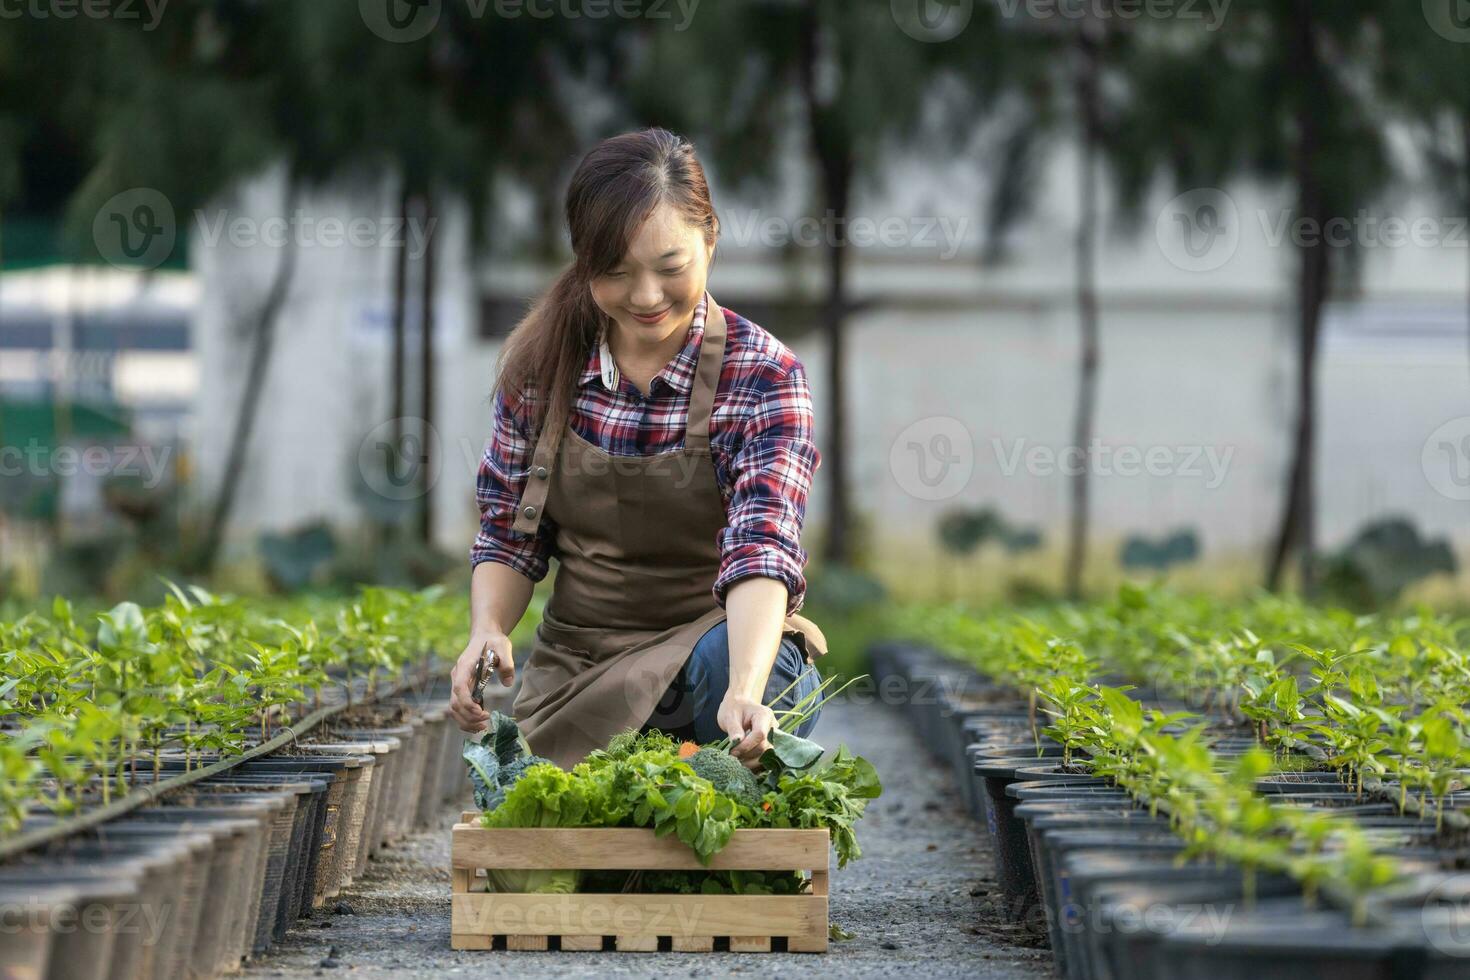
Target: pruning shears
[484, 670]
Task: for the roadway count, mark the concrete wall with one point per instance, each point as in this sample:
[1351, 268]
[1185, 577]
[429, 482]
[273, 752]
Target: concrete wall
[1197, 367]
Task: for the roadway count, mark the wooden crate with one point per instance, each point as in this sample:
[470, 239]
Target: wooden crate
[635, 922]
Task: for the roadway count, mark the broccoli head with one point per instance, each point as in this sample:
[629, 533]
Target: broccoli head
[727, 774]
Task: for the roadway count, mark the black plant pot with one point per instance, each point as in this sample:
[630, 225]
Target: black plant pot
[976, 798]
[366, 792]
[307, 831]
[1292, 782]
[84, 947]
[197, 856]
[1085, 863]
[1013, 871]
[39, 941]
[386, 797]
[307, 825]
[158, 866]
[275, 836]
[285, 862]
[235, 873]
[1126, 919]
[1028, 792]
[1283, 941]
[1054, 881]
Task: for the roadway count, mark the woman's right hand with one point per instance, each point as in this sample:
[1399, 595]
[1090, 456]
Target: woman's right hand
[471, 717]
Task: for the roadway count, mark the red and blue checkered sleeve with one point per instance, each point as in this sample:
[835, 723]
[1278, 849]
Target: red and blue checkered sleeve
[772, 474]
[501, 480]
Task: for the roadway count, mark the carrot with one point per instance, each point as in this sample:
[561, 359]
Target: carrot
[687, 749]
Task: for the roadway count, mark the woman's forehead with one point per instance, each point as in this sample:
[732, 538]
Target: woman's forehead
[665, 234]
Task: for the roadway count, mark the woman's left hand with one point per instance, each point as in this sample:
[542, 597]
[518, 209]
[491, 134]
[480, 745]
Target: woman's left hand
[748, 723]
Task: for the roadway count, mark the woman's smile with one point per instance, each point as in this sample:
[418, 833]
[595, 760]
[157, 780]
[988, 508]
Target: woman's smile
[652, 317]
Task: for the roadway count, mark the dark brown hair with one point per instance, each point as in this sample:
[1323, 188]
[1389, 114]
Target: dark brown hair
[615, 188]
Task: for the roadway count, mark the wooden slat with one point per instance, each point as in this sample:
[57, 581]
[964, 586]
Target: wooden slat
[637, 944]
[527, 943]
[633, 847]
[693, 944]
[470, 816]
[468, 941]
[750, 944]
[636, 915]
[581, 944]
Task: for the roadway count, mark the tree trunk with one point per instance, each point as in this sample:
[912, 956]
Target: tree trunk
[839, 544]
[833, 152]
[1296, 532]
[263, 342]
[398, 368]
[1087, 313]
[427, 392]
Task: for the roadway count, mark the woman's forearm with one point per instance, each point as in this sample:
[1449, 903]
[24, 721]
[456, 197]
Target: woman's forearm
[499, 596]
[755, 613]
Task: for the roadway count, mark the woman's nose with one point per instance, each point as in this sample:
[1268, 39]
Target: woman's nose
[647, 296]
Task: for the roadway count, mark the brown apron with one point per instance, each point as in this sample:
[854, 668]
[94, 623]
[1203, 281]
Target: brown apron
[638, 556]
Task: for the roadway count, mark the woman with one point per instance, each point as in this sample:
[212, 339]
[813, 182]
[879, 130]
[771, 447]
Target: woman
[661, 448]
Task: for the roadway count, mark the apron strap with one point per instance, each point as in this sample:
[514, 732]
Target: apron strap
[538, 480]
[706, 378]
[696, 430]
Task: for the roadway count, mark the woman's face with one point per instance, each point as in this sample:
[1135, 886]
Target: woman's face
[663, 274]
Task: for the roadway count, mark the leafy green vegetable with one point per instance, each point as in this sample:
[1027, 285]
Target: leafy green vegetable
[640, 781]
[790, 751]
[543, 796]
[496, 760]
[626, 743]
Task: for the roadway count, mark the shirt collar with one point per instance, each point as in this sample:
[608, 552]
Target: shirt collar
[677, 374]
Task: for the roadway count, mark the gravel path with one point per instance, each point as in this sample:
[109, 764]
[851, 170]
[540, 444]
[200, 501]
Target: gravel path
[916, 901]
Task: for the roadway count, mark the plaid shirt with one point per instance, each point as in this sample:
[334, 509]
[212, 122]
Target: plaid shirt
[760, 438]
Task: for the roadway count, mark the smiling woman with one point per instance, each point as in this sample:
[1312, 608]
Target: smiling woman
[651, 295]
[661, 448]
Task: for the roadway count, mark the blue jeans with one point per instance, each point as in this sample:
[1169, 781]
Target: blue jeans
[690, 707]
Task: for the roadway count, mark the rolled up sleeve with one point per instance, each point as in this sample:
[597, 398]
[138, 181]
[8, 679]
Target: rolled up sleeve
[499, 485]
[772, 476]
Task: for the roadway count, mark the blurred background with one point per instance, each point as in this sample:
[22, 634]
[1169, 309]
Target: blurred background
[1086, 289]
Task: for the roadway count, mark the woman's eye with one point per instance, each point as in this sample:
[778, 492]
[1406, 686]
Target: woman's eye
[615, 275]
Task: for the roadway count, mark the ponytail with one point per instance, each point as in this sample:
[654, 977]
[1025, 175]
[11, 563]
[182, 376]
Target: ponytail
[544, 354]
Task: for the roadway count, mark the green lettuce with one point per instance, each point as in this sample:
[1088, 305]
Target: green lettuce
[543, 796]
